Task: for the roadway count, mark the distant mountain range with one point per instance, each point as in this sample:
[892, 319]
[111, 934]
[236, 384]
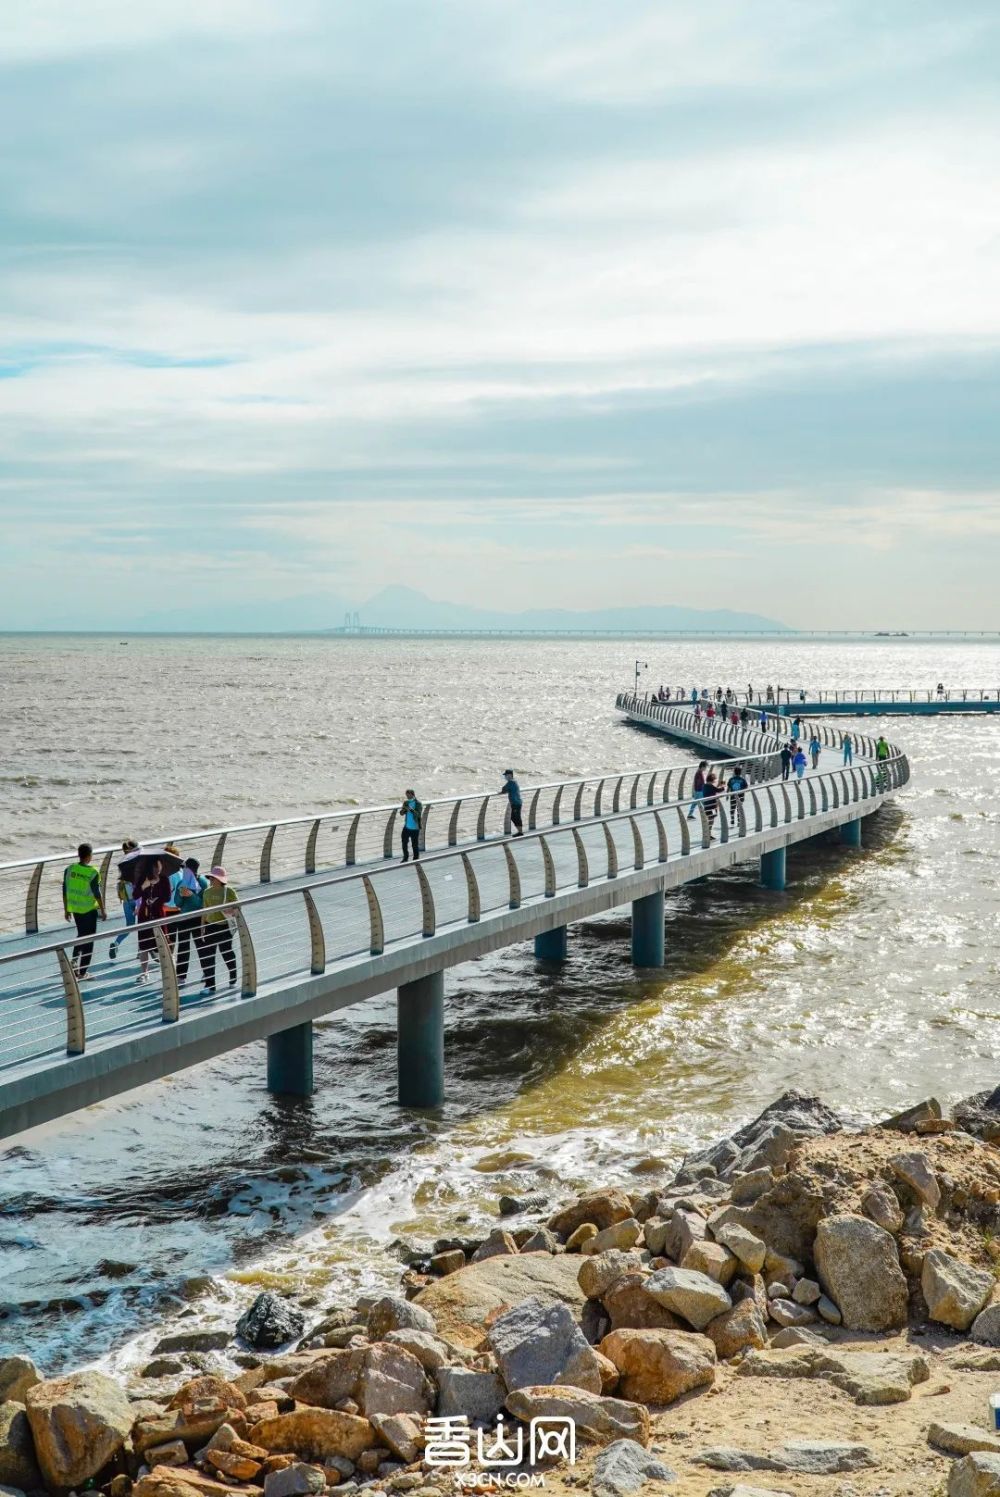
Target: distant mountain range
[400, 607]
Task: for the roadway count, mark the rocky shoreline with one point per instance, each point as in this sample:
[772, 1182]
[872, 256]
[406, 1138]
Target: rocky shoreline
[767, 1321]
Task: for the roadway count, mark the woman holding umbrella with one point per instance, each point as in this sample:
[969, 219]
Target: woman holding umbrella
[149, 869]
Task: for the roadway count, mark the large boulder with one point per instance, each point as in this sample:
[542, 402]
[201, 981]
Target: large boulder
[980, 1115]
[17, 1375]
[595, 1417]
[914, 1169]
[537, 1344]
[381, 1379]
[630, 1307]
[658, 1366]
[316, 1434]
[767, 1140]
[986, 1327]
[18, 1465]
[955, 1291]
[601, 1207]
[859, 1269]
[270, 1321]
[872, 1379]
[694, 1296]
[462, 1302]
[737, 1329]
[79, 1423]
[976, 1475]
[478, 1395]
[393, 1312]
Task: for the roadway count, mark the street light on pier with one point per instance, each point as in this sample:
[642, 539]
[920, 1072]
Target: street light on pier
[640, 665]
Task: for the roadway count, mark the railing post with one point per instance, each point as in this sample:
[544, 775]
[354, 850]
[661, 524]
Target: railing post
[350, 856]
[472, 889]
[582, 866]
[428, 913]
[265, 857]
[481, 819]
[31, 900]
[375, 922]
[76, 1036]
[105, 868]
[453, 824]
[612, 851]
[638, 851]
[317, 938]
[550, 868]
[387, 835]
[311, 847]
[513, 878]
[533, 811]
[168, 976]
[220, 848]
[248, 956]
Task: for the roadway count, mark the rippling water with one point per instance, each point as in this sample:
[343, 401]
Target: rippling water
[872, 980]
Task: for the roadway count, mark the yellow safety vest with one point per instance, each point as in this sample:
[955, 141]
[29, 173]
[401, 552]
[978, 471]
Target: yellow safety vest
[80, 897]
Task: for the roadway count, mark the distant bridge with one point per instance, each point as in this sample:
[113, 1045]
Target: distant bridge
[356, 630]
[357, 922]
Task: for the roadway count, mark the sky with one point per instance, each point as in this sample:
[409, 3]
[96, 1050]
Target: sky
[565, 304]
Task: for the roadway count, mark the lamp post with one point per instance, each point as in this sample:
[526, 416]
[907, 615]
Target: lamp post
[640, 665]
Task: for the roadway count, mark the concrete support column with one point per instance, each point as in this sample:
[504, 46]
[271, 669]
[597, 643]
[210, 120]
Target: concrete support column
[290, 1061]
[647, 930]
[850, 833]
[772, 869]
[550, 945]
[420, 1042]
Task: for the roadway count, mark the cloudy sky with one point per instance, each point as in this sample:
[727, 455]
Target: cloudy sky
[521, 302]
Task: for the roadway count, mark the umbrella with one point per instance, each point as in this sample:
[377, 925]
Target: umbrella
[133, 865]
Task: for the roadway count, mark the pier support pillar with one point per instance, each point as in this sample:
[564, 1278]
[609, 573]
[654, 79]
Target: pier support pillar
[420, 1042]
[850, 833]
[290, 1061]
[772, 869]
[551, 945]
[647, 930]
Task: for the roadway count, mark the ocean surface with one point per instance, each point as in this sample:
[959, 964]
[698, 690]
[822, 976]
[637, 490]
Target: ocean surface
[874, 980]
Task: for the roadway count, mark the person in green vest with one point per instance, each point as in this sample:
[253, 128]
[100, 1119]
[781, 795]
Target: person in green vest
[82, 903]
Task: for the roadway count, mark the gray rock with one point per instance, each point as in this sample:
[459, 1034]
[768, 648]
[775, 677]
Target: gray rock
[805, 1457]
[955, 1291]
[976, 1475]
[480, 1395]
[749, 1187]
[6, 1491]
[921, 1112]
[859, 1269]
[979, 1114]
[778, 1291]
[499, 1244]
[799, 1114]
[430, 1351]
[295, 1481]
[163, 1367]
[828, 1310]
[17, 1375]
[694, 1296]
[193, 1341]
[742, 1490]
[516, 1205]
[542, 1241]
[785, 1312]
[806, 1292]
[395, 1313]
[872, 1379]
[624, 1467]
[18, 1465]
[986, 1327]
[537, 1344]
[796, 1335]
[914, 1169]
[881, 1207]
[962, 1439]
[270, 1321]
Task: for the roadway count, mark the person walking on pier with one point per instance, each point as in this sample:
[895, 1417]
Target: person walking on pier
[848, 747]
[710, 798]
[152, 892]
[217, 932]
[737, 787]
[126, 894]
[881, 755]
[786, 760]
[799, 761]
[698, 793]
[814, 749]
[189, 898]
[82, 903]
[512, 790]
[411, 811]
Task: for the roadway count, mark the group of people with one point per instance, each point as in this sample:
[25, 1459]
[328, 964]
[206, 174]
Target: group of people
[151, 897]
[709, 787]
[721, 696]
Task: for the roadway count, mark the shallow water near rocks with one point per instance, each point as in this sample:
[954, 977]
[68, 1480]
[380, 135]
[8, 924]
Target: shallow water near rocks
[873, 980]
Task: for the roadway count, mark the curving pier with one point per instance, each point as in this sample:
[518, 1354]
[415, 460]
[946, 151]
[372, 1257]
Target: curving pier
[334, 918]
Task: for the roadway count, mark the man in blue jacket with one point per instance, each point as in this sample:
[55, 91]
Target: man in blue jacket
[512, 790]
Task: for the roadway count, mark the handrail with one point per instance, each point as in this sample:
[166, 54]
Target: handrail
[352, 818]
[648, 837]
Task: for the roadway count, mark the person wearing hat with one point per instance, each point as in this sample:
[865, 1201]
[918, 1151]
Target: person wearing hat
[217, 934]
[512, 790]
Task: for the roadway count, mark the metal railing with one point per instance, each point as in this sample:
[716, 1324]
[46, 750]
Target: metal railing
[283, 936]
[725, 734]
[795, 697]
[268, 851]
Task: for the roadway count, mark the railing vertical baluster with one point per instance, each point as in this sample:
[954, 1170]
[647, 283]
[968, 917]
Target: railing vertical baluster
[265, 856]
[685, 831]
[168, 976]
[387, 835]
[550, 868]
[513, 878]
[556, 804]
[31, 900]
[597, 797]
[706, 825]
[76, 1034]
[582, 866]
[453, 824]
[350, 856]
[578, 802]
[472, 889]
[317, 937]
[427, 910]
[375, 921]
[639, 852]
[105, 869]
[220, 848]
[662, 848]
[533, 811]
[311, 841]
[248, 956]
[481, 819]
[422, 835]
[612, 851]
